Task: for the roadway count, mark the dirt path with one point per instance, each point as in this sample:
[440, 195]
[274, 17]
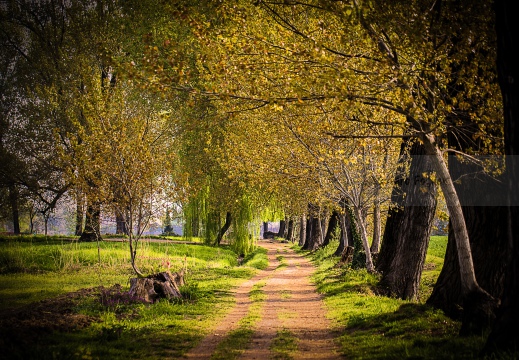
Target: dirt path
[292, 306]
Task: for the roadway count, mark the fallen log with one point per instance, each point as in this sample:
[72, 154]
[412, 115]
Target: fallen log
[163, 285]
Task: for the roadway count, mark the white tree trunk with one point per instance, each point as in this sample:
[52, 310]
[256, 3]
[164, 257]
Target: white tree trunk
[468, 276]
[363, 234]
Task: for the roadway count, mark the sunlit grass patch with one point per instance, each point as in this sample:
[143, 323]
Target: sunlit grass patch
[379, 327]
[284, 345]
[282, 262]
[123, 329]
[257, 259]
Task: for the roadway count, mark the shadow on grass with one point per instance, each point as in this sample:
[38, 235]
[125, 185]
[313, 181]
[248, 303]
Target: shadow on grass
[413, 331]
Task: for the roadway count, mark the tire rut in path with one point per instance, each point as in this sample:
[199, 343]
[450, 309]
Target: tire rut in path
[292, 305]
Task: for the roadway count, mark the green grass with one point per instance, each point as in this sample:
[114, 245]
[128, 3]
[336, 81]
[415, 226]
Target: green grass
[284, 345]
[37, 269]
[257, 259]
[379, 327]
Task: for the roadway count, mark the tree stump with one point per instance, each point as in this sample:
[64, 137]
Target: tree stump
[164, 285]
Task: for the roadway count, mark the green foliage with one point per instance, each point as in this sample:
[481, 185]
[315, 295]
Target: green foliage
[245, 228]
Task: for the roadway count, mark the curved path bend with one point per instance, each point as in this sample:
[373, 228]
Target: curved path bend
[292, 305]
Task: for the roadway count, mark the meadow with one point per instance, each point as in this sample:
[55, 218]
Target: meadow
[76, 282]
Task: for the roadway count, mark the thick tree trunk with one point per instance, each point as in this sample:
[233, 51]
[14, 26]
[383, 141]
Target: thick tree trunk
[120, 221]
[92, 231]
[265, 227]
[225, 227]
[282, 229]
[333, 224]
[486, 226]
[401, 277]
[302, 230]
[290, 230]
[315, 234]
[395, 213]
[505, 334]
[346, 234]
[15, 213]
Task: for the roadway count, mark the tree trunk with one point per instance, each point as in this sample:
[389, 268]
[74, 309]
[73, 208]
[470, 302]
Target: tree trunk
[92, 231]
[315, 235]
[282, 228]
[225, 227]
[395, 213]
[364, 237]
[79, 215]
[346, 234]
[308, 231]
[120, 222]
[265, 227]
[504, 335]
[290, 230]
[401, 277]
[302, 231]
[13, 199]
[333, 224]
[478, 305]
[375, 243]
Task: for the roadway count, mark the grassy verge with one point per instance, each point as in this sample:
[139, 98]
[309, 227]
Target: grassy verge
[46, 270]
[378, 327]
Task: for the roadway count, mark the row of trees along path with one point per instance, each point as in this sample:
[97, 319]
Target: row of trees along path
[292, 304]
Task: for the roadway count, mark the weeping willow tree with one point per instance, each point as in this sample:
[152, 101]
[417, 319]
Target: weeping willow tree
[212, 216]
[245, 226]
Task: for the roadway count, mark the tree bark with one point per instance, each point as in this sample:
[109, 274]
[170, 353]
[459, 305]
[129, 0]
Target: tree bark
[302, 230]
[282, 228]
[395, 213]
[346, 234]
[164, 285]
[290, 230]
[314, 236]
[479, 306]
[333, 224]
[225, 227]
[505, 334]
[120, 222]
[15, 213]
[402, 277]
[92, 231]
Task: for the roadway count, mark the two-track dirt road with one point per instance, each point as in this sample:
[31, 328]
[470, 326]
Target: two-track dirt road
[292, 305]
